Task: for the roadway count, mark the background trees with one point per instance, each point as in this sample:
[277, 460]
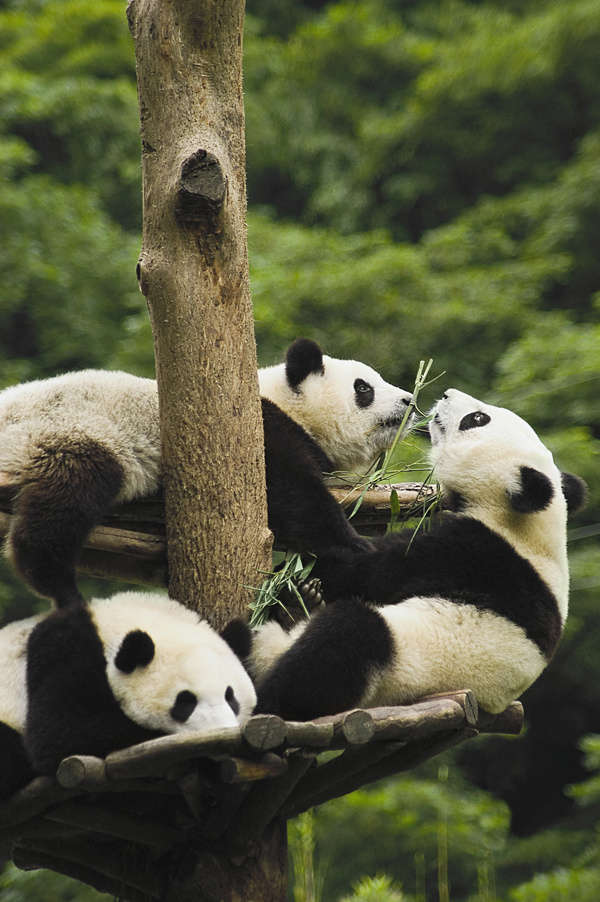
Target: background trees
[424, 180]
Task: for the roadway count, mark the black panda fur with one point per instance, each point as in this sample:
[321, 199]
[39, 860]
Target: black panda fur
[303, 515]
[71, 708]
[72, 446]
[15, 768]
[478, 601]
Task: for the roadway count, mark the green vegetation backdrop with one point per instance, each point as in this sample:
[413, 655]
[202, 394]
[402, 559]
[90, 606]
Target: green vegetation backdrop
[424, 181]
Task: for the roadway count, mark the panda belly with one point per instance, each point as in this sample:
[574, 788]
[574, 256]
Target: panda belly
[440, 646]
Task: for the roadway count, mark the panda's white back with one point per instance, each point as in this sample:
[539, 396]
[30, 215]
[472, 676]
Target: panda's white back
[112, 408]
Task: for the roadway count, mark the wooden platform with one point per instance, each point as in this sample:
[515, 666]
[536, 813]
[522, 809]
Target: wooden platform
[119, 823]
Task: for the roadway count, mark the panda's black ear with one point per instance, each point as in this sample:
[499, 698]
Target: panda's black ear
[535, 494]
[137, 650]
[575, 491]
[303, 357]
[238, 636]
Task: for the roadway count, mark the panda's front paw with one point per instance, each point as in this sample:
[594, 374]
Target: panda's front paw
[311, 592]
[292, 609]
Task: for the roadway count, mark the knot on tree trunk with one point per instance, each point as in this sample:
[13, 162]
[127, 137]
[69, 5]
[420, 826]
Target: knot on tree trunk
[201, 193]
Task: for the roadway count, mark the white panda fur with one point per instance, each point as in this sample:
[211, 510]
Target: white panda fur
[73, 445]
[13, 672]
[479, 601]
[96, 677]
[52, 416]
[189, 656]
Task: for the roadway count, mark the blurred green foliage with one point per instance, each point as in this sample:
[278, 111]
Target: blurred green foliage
[423, 181]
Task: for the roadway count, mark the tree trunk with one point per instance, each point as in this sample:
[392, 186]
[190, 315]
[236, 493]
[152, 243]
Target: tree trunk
[193, 271]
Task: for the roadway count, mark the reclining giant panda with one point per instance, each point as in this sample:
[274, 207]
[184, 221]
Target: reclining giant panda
[76, 444]
[102, 676]
[478, 601]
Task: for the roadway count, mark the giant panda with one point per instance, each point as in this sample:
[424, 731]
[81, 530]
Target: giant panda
[93, 678]
[73, 445]
[477, 601]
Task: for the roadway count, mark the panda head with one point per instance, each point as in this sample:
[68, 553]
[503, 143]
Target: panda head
[492, 464]
[167, 668]
[344, 405]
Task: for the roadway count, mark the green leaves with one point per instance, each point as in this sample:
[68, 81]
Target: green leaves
[291, 570]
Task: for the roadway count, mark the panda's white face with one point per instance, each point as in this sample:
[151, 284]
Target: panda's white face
[492, 466]
[169, 670]
[478, 448]
[344, 405]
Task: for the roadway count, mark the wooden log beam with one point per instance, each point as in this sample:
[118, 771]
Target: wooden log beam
[350, 727]
[29, 859]
[158, 756]
[115, 824]
[261, 733]
[251, 770]
[509, 721]
[260, 808]
[107, 866]
[32, 800]
[426, 717]
[37, 826]
[130, 543]
[370, 765]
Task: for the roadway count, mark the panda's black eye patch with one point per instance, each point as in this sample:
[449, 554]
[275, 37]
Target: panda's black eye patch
[184, 707]
[363, 393]
[137, 650]
[232, 700]
[474, 420]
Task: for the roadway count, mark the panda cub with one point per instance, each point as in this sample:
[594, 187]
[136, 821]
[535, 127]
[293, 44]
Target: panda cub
[94, 678]
[74, 445]
[479, 601]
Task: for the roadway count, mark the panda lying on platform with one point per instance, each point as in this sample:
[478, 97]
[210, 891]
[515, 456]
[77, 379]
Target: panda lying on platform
[99, 677]
[477, 602]
[78, 443]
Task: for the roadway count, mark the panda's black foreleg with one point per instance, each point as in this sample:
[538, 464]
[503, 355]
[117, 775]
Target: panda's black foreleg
[54, 513]
[303, 515]
[327, 669]
[71, 707]
[15, 769]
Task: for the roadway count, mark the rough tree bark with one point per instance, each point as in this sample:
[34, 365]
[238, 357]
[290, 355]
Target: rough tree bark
[193, 272]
